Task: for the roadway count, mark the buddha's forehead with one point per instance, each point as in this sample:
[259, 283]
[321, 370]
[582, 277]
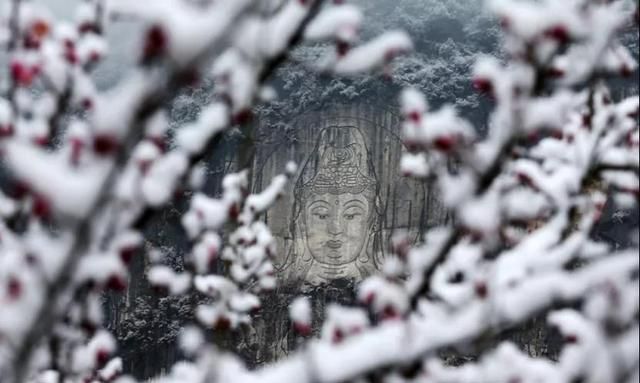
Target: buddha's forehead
[341, 200]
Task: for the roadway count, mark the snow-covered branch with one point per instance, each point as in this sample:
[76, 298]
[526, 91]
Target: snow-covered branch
[88, 167]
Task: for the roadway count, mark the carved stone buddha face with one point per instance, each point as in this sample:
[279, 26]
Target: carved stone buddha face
[336, 227]
[335, 210]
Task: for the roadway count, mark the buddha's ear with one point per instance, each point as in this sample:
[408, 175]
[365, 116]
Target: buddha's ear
[365, 255]
[301, 226]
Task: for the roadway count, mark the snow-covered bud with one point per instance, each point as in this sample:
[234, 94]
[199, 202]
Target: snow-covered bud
[101, 347]
[155, 43]
[190, 340]
[485, 72]
[291, 168]
[165, 278]
[206, 251]
[413, 105]
[300, 314]
[481, 289]
[22, 73]
[386, 299]
[342, 322]
[401, 243]
[111, 370]
[126, 244]
[105, 144]
[14, 288]
[374, 54]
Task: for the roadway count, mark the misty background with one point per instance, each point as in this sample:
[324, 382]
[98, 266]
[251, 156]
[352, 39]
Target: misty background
[448, 36]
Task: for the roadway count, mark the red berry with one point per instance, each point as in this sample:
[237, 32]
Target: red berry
[213, 254]
[116, 283]
[444, 143]
[369, 298]
[104, 144]
[76, 150]
[303, 329]
[524, 178]
[411, 145]
[242, 117]
[190, 77]
[338, 336]
[41, 141]
[560, 33]
[481, 289]
[557, 134]
[6, 130]
[102, 356]
[155, 42]
[144, 166]
[71, 56]
[31, 42]
[14, 288]
[87, 27]
[414, 116]
[21, 74]
[482, 85]
[571, 338]
[126, 253]
[234, 211]
[555, 72]
[40, 29]
[342, 47]
[20, 189]
[94, 56]
[401, 247]
[223, 323]
[41, 207]
[390, 313]
[88, 326]
[86, 103]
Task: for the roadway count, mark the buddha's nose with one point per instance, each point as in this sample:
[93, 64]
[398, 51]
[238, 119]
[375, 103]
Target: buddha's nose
[335, 226]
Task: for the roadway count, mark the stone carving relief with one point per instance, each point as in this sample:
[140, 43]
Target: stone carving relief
[336, 213]
[335, 222]
[348, 197]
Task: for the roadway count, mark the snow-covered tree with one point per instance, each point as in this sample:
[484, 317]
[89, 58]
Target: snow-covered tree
[85, 169]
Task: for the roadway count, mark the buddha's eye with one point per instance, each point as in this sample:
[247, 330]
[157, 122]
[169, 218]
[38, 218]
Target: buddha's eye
[352, 212]
[321, 215]
[351, 216]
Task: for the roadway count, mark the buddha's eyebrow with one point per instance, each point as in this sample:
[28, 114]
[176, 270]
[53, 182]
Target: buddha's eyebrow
[355, 201]
[317, 202]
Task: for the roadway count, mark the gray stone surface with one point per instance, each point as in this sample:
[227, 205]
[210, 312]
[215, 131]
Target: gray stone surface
[332, 226]
[335, 223]
[348, 197]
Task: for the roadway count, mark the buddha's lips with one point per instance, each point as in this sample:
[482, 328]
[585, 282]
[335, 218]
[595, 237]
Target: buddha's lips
[334, 244]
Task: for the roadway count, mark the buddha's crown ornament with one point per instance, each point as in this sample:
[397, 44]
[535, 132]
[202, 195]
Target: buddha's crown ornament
[342, 163]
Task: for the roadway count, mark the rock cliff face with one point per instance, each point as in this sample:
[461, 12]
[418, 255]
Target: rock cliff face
[348, 197]
[332, 227]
